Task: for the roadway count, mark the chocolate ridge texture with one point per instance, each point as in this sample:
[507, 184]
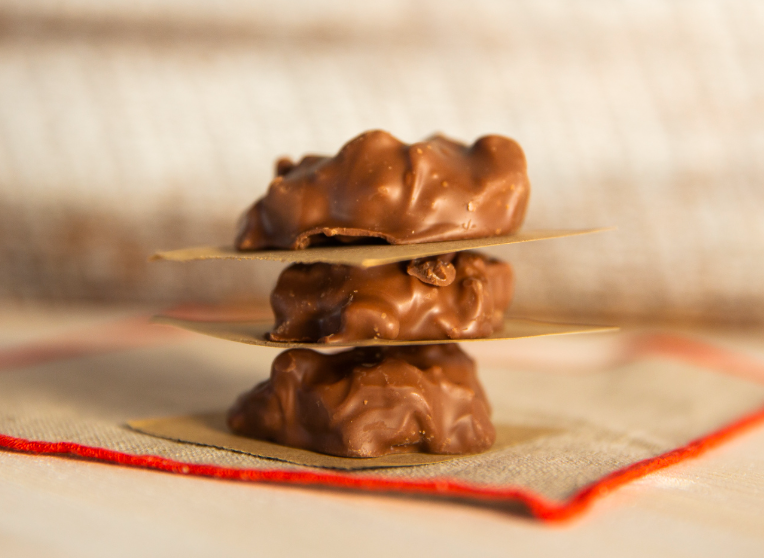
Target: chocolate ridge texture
[453, 296]
[369, 402]
[377, 187]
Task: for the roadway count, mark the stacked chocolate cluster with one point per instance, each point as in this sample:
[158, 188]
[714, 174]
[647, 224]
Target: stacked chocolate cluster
[375, 400]
[380, 237]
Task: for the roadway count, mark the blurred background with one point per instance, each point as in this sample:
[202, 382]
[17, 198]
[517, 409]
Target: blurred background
[128, 126]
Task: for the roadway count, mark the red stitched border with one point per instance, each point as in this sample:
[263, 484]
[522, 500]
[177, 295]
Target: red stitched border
[539, 506]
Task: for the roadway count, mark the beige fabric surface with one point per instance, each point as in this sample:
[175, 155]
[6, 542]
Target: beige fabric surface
[58, 507]
[603, 419]
[127, 127]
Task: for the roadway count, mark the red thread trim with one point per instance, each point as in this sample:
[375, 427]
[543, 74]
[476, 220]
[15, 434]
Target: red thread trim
[540, 507]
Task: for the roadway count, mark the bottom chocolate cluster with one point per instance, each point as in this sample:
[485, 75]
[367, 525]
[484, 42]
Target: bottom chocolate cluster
[370, 401]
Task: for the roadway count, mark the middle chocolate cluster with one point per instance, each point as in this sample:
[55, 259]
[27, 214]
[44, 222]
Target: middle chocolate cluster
[452, 296]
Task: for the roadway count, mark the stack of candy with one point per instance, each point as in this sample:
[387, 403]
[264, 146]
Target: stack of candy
[387, 229]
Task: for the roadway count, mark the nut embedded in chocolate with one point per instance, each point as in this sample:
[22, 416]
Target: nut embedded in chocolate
[378, 187]
[369, 402]
[338, 303]
[436, 271]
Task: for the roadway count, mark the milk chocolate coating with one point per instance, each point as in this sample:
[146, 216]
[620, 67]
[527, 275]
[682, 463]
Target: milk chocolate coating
[379, 187]
[454, 296]
[369, 402]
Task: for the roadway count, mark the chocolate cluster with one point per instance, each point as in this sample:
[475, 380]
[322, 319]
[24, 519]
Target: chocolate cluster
[378, 187]
[453, 296]
[370, 401]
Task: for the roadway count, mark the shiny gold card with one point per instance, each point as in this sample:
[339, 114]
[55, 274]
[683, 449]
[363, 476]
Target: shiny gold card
[254, 332]
[365, 255]
[210, 430]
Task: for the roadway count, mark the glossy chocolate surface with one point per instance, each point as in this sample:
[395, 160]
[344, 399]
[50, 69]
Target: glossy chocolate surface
[453, 296]
[377, 187]
[369, 402]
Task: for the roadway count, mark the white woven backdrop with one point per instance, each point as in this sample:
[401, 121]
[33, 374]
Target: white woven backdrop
[127, 126]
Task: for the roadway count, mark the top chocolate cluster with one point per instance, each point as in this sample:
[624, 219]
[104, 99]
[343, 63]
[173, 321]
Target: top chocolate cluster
[378, 187]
